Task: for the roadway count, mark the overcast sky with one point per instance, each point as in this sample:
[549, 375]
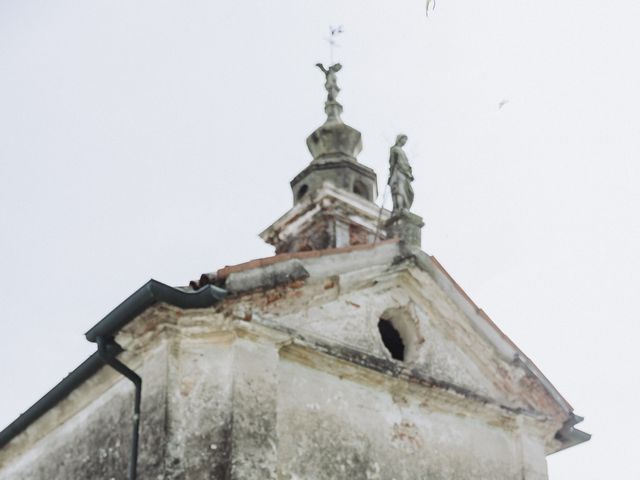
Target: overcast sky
[145, 139]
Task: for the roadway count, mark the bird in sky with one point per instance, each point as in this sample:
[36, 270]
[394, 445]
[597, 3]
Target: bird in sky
[431, 5]
[502, 103]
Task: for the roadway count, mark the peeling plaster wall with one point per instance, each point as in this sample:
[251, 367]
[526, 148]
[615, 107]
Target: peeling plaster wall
[255, 443]
[95, 443]
[352, 317]
[334, 428]
[240, 391]
[345, 309]
[241, 407]
[199, 423]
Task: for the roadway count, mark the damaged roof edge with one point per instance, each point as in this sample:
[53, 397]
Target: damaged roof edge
[515, 353]
[150, 293]
[569, 436]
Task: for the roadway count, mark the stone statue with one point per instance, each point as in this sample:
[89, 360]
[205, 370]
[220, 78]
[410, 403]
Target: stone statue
[331, 83]
[400, 176]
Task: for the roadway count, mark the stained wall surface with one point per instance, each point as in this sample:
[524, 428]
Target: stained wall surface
[252, 410]
[95, 441]
[294, 382]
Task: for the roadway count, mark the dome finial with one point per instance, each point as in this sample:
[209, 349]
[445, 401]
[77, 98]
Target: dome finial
[333, 140]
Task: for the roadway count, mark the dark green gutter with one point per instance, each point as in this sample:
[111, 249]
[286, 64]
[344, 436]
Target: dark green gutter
[149, 294]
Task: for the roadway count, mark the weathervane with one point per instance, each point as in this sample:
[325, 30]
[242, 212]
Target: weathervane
[333, 33]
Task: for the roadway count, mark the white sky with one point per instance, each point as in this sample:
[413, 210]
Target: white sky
[156, 138]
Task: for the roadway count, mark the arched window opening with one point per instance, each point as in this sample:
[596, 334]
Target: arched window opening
[301, 191]
[391, 339]
[359, 188]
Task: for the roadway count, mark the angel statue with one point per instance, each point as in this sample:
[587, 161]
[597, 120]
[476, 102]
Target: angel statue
[331, 83]
[400, 176]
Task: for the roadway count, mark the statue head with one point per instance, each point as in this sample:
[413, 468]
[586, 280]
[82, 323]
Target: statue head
[401, 140]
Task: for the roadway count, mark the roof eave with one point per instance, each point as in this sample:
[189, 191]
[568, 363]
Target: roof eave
[568, 436]
[150, 293]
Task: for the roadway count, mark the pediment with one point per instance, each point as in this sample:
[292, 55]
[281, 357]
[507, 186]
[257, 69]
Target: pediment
[450, 347]
[440, 340]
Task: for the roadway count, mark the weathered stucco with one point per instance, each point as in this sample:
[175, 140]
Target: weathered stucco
[94, 443]
[349, 430]
[292, 381]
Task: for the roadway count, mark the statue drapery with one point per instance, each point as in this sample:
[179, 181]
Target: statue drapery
[400, 176]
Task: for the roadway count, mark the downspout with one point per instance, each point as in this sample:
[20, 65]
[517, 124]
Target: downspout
[109, 358]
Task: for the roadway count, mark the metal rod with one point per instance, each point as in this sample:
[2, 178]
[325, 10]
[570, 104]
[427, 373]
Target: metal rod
[384, 197]
[137, 382]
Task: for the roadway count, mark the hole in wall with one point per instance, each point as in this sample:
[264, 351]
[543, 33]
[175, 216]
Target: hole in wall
[400, 333]
[391, 339]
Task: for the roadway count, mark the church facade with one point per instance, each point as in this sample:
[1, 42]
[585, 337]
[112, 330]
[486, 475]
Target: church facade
[349, 354]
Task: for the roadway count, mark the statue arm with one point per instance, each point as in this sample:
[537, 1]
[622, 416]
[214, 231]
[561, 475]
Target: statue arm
[321, 67]
[393, 164]
[394, 157]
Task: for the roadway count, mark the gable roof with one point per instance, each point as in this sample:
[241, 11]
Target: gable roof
[207, 292]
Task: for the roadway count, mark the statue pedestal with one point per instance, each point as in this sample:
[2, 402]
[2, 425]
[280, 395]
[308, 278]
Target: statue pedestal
[406, 226]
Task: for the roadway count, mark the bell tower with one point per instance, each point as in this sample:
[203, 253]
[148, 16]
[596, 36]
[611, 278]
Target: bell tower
[334, 196]
[334, 147]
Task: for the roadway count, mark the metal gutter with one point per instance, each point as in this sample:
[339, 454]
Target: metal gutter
[149, 294]
[110, 359]
[72, 381]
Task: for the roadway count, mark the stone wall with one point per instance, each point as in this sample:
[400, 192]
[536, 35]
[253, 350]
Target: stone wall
[336, 428]
[294, 382]
[256, 408]
[94, 443]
